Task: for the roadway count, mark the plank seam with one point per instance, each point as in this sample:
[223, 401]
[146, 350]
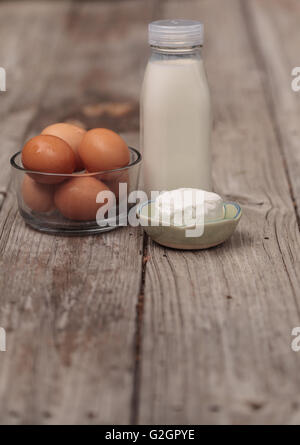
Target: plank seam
[135, 402]
[138, 342]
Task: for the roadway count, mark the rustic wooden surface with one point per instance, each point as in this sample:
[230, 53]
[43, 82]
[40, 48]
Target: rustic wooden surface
[115, 329]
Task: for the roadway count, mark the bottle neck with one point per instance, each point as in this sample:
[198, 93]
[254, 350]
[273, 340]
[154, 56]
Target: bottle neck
[192, 50]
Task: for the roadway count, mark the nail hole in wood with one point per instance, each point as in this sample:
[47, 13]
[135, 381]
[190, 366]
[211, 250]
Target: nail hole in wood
[255, 405]
[214, 408]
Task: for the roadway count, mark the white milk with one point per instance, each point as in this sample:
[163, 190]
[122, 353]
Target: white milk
[175, 122]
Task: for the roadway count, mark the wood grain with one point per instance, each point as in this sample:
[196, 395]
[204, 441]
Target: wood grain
[24, 32]
[68, 304]
[217, 324]
[70, 316]
[98, 63]
[275, 38]
[115, 330]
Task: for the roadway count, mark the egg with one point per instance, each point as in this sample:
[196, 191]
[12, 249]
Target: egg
[38, 197]
[102, 149]
[48, 154]
[76, 198]
[71, 134]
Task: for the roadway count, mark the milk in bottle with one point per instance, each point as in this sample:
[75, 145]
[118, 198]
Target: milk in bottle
[175, 109]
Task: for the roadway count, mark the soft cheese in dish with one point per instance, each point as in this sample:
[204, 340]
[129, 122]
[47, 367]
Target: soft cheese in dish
[188, 207]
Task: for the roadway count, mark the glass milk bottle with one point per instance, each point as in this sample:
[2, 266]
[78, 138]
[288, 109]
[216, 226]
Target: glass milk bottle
[175, 109]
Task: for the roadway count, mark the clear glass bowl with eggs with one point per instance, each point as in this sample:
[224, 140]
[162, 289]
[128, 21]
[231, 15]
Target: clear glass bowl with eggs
[77, 203]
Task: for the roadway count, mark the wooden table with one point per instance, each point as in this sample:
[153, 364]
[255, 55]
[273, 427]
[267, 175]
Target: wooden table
[113, 328]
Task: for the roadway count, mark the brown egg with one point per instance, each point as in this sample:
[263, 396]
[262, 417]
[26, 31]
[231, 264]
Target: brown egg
[38, 197]
[103, 149]
[71, 134]
[48, 154]
[76, 198]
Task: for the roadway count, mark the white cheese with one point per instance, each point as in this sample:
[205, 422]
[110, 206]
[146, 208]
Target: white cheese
[188, 207]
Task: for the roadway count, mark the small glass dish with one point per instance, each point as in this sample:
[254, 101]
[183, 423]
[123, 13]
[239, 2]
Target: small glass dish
[37, 197]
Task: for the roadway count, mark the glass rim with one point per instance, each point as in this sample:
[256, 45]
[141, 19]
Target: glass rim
[80, 173]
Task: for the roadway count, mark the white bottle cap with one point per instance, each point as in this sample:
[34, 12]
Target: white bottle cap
[176, 33]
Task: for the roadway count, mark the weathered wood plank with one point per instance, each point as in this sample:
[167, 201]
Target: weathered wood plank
[27, 54]
[69, 311]
[100, 63]
[69, 304]
[217, 324]
[274, 27]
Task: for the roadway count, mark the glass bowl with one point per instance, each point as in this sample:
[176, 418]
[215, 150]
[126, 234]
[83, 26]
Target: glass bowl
[40, 194]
